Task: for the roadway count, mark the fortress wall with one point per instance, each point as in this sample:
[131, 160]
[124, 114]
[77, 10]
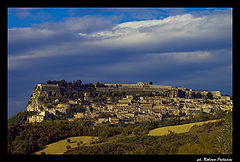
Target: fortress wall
[130, 89]
[160, 87]
[216, 93]
[138, 85]
[52, 89]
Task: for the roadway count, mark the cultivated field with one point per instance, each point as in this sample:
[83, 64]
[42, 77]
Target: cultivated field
[61, 146]
[176, 128]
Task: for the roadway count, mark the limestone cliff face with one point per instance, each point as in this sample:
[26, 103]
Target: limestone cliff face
[40, 95]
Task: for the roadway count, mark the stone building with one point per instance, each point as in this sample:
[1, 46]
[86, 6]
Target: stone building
[43, 115]
[35, 118]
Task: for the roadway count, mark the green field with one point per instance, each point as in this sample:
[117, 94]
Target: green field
[61, 146]
[176, 128]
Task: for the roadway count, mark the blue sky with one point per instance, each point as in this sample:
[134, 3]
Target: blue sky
[189, 47]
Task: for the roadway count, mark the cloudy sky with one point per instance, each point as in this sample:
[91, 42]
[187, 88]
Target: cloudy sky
[188, 47]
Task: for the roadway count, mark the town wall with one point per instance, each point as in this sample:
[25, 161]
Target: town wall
[139, 87]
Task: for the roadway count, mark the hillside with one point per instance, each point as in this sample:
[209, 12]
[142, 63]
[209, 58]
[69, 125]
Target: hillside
[201, 139]
[176, 128]
[134, 103]
[61, 146]
[124, 139]
[59, 109]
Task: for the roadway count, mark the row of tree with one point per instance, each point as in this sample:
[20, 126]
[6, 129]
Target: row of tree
[182, 94]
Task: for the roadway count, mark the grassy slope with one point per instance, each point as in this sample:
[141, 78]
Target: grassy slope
[207, 140]
[60, 146]
[176, 129]
[200, 139]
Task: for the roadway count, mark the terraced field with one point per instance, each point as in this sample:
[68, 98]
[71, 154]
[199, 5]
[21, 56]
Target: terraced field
[61, 146]
[176, 128]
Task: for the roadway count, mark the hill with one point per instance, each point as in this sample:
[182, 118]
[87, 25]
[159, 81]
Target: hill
[60, 109]
[26, 138]
[201, 139]
[176, 129]
[61, 100]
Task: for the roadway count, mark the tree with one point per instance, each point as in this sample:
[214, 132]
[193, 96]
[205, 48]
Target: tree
[181, 93]
[78, 83]
[40, 98]
[51, 82]
[68, 147]
[62, 83]
[209, 95]
[193, 95]
[79, 143]
[198, 95]
[170, 132]
[43, 153]
[68, 140]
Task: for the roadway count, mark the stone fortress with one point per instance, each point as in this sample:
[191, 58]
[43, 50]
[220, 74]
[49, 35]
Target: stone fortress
[139, 86]
[146, 87]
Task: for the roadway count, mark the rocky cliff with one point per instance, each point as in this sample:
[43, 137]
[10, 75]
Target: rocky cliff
[41, 94]
[61, 92]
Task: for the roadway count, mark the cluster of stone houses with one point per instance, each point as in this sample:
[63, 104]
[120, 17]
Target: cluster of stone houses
[146, 108]
[129, 110]
[155, 108]
[43, 114]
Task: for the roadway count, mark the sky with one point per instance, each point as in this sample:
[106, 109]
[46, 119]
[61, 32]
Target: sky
[187, 47]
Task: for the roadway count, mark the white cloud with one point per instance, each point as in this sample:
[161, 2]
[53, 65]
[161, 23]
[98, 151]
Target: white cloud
[82, 34]
[17, 35]
[182, 25]
[189, 57]
[97, 36]
[179, 31]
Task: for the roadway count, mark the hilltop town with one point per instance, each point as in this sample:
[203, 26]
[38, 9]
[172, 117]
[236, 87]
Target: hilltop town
[120, 102]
